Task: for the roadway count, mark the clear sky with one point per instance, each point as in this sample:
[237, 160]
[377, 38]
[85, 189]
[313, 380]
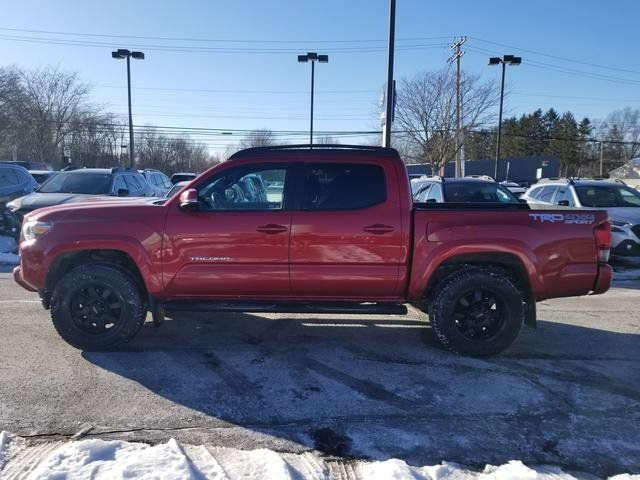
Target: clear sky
[232, 64]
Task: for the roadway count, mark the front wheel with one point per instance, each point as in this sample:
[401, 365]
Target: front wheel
[477, 311]
[97, 307]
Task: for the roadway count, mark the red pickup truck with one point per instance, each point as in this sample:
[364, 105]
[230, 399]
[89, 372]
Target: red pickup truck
[322, 230]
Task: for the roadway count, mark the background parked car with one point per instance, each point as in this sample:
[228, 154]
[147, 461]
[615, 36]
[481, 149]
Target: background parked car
[83, 184]
[28, 165]
[621, 202]
[514, 188]
[175, 189]
[15, 181]
[182, 177]
[41, 176]
[460, 190]
[158, 181]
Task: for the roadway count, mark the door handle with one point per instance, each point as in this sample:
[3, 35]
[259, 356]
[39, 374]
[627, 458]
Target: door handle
[378, 229]
[271, 228]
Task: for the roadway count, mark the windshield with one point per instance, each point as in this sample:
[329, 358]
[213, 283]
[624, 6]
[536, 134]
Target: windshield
[87, 183]
[608, 196]
[477, 192]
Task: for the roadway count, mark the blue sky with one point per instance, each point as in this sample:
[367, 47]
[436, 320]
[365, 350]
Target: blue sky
[245, 74]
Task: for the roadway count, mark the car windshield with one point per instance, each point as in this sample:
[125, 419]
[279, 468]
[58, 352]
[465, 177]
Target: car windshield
[76, 182]
[477, 192]
[607, 196]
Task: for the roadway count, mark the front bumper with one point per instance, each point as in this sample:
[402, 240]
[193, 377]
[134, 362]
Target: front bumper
[17, 276]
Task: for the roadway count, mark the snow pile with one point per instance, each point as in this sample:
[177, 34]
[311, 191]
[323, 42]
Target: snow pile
[102, 459]
[8, 249]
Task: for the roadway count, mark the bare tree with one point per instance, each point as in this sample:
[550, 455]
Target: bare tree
[172, 154]
[258, 138]
[53, 99]
[426, 114]
[626, 123]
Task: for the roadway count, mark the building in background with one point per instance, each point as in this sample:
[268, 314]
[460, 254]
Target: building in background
[629, 173]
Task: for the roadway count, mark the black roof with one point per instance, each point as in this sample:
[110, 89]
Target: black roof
[320, 148]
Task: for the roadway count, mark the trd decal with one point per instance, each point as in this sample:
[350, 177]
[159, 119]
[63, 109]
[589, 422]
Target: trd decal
[569, 218]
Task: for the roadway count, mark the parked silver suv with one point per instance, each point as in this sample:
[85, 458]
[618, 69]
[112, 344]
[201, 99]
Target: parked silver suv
[621, 202]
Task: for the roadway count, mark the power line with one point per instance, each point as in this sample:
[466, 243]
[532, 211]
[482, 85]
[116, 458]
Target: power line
[195, 49]
[217, 40]
[557, 57]
[566, 70]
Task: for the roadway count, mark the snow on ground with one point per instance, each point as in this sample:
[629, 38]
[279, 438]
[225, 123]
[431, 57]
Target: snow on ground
[115, 459]
[8, 249]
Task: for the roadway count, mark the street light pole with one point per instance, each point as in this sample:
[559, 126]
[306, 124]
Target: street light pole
[131, 149]
[386, 140]
[504, 61]
[123, 53]
[311, 119]
[495, 175]
[312, 57]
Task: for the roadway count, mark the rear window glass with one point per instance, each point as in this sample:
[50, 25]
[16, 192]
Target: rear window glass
[477, 192]
[608, 196]
[8, 177]
[343, 186]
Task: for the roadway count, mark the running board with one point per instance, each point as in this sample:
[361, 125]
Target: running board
[285, 307]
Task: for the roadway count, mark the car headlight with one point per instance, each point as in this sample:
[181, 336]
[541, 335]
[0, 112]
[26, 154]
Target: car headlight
[619, 225]
[13, 206]
[34, 229]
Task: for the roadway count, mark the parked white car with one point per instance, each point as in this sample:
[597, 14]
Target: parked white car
[621, 202]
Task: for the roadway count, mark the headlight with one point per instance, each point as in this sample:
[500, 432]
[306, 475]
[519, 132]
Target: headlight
[13, 206]
[34, 229]
[619, 223]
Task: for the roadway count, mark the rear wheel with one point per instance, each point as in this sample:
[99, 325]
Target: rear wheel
[97, 307]
[477, 311]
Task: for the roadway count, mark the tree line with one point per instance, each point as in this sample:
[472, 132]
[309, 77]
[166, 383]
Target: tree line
[46, 116]
[426, 127]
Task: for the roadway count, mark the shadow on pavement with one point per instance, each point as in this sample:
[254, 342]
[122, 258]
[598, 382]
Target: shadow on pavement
[380, 388]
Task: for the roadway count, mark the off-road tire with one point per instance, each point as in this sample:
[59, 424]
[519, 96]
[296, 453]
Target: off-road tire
[133, 312]
[450, 290]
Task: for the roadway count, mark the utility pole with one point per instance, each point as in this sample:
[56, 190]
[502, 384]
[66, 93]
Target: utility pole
[600, 159]
[457, 54]
[386, 137]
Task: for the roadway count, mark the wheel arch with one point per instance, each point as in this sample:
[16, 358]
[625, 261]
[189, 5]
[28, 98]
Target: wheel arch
[120, 259]
[509, 263]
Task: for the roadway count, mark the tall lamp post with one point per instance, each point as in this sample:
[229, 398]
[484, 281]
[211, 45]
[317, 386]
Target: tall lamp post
[119, 55]
[313, 58]
[504, 61]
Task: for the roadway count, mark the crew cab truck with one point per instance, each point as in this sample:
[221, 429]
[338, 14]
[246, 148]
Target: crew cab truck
[328, 229]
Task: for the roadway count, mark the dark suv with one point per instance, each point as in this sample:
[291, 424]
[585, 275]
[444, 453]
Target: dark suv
[83, 184]
[158, 181]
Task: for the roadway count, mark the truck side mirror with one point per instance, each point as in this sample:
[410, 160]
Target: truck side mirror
[123, 192]
[563, 203]
[189, 200]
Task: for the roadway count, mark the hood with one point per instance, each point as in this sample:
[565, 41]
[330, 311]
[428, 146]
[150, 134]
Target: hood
[625, 214]
[92, 208]
[40, 200]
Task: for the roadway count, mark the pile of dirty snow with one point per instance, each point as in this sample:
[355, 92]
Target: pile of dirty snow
[101, 459]
[8, 251]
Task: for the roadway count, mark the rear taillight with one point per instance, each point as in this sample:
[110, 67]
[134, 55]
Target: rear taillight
[602, 235]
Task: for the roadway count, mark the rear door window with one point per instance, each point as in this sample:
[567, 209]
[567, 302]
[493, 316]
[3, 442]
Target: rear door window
[435, 194]
[342, 186]
[564, 193]
[546, 193]
[136, 189]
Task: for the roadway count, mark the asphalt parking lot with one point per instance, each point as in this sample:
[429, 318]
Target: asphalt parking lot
[566, 394]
